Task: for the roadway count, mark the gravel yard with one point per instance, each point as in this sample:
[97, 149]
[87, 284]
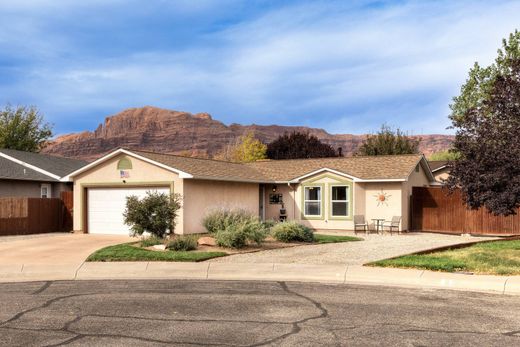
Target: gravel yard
[374, 247]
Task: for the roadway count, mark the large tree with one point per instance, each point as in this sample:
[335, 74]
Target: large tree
[298, 145]
[486, 117]
[23, 128]
[389, 142]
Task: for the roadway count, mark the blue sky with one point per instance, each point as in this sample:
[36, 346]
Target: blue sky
[345, 66]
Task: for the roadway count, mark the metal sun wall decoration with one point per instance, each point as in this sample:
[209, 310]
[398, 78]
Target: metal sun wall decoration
[382, 198]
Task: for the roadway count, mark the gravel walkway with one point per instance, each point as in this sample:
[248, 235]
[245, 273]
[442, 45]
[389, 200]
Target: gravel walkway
[373, 247]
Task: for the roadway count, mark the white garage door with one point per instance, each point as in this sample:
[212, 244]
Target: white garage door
[106, 207]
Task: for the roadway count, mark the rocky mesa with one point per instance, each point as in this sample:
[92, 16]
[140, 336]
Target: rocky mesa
[155, 129]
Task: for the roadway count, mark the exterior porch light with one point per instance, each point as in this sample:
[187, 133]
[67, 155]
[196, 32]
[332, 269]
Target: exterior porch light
[274, 189]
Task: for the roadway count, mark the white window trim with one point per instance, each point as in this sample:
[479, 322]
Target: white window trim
[49, 190]
[347, 188]
[305, 201]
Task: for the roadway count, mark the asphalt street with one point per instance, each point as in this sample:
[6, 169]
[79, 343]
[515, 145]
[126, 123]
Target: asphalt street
[228, 313]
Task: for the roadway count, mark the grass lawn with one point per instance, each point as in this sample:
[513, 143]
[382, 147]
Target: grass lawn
[320, 238]
[496, 258]
[126, 252]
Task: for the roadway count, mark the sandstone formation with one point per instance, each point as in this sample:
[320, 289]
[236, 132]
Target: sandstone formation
[166, 131]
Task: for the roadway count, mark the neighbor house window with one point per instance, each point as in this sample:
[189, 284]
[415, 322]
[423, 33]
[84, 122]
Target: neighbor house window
[312, 201]
[339, 197]
[45, 191]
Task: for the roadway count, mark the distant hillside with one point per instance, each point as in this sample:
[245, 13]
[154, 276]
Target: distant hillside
[156, 129]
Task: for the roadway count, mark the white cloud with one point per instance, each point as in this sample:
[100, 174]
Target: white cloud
[326, 63]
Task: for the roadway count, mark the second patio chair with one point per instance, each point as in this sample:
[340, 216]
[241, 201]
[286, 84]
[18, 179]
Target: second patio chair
[392, 225]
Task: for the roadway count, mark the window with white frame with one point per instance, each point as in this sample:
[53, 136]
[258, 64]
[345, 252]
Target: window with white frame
[312, 201]
[339, 198]
[45, 191]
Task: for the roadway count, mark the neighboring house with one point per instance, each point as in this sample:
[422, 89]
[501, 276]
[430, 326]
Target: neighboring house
[27, 174]
[322, 193]
[440, 169]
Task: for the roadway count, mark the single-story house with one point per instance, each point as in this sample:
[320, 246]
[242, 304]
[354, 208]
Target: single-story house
[321, 193]
[440, 169]
[35, 175]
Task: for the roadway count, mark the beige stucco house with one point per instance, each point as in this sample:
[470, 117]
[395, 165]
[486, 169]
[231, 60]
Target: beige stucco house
[322, 193]
[440, 170]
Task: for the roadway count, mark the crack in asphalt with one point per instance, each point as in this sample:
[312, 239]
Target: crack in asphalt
[412, 329]
[43, 288]
[296, 326]
[78, 335]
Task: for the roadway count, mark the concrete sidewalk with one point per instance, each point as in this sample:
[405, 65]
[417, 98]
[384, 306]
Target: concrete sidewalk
[352, 274]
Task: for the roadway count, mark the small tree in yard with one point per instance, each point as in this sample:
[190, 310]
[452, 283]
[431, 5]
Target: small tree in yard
[389, 142]
[486, 116]
[448, 155]
[245, 150]
[155, 213]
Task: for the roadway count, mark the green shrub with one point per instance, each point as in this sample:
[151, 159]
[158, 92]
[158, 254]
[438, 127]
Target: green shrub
[232, 237]
[155, 213]
[235, 228]
[183, 243]
[255, 230]
[151, 241]
[292, 231]
[219, 220]
[270, 223]
[238, 236]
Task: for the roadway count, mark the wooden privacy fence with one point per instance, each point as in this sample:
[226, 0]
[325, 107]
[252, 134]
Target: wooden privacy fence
[68, 201]
[23, 216]
[433, 210]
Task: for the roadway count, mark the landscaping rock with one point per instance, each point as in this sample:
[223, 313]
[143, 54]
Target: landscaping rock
[207, 241]
[160, 247]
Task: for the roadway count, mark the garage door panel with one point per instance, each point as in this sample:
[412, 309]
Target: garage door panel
[106, 207]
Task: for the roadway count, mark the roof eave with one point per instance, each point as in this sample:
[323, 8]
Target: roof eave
[118, 151]
[30, 166]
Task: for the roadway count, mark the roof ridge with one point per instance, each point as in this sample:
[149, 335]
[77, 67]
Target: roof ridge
[42, 154]
[182, 156]
[337, 158]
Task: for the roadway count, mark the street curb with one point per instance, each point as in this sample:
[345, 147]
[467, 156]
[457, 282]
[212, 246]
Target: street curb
[338, 274]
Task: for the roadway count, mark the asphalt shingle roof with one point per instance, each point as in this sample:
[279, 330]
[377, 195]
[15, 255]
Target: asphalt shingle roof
[13, 171]
[207, 168]
[56, 165]
[368, 168]
[436, 164]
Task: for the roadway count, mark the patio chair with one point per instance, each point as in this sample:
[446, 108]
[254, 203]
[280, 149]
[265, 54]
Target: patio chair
[359, 222]
[392, 224]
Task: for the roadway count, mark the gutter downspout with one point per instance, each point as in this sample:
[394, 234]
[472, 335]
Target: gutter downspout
[294, 200]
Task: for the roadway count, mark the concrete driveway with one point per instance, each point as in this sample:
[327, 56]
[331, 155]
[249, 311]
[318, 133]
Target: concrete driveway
[59, 249]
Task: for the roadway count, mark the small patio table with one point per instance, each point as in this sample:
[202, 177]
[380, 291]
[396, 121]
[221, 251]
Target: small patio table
[379, 224]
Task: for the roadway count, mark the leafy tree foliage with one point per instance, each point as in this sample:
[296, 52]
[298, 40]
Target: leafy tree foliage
[23, 128]
[389, 142]
[246, 149]
[298, 145]
[487, 118]
[481, 80]
[155, 213]
[448, 155]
